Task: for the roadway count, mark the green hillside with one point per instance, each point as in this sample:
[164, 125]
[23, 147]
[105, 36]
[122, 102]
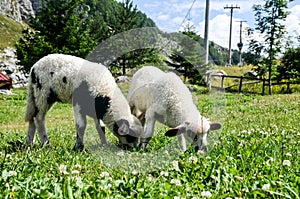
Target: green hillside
[10, 31]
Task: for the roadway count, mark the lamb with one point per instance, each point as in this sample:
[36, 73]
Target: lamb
[92, 91]
[158, 96]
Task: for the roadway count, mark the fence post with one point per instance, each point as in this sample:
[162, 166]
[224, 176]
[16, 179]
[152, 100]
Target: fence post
[263, 86]
[241, 84]
[222, 81]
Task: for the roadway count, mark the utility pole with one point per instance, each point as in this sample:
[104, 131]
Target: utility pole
[206, 41]
[240, 44]
[231, 13]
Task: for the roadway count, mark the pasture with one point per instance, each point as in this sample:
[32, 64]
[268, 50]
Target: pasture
[255, 155]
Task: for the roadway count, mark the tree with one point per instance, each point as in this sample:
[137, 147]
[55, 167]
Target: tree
[289, 68]
[269, 18]
[188, 60]
[127, 18]
[60, 26]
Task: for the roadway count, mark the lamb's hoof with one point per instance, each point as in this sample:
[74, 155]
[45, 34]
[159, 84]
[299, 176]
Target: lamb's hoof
[78, 147]
[143, 146]
[46, 144]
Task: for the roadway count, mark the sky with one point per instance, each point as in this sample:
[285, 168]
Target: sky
[169, 16]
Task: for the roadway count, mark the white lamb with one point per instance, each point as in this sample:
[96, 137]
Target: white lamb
[91, 89]
[158, 96]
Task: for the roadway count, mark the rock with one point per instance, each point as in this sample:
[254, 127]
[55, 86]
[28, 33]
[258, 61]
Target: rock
[9, 64]
[26, 10]
[19, 11]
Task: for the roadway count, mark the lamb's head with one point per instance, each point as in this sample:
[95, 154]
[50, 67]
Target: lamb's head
[128, 131]
[195, 132]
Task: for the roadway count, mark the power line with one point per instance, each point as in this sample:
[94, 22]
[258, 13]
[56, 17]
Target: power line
[187, 14]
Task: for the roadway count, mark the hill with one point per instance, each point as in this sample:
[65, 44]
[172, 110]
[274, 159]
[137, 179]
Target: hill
[10, 32]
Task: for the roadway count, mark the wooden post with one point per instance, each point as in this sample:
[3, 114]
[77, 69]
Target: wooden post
[222, 81]
[263, 86]
[241, 84]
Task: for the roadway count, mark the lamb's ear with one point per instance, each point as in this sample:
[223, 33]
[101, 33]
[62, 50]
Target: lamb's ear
[121, 127]
[215, 126]
[175, 131]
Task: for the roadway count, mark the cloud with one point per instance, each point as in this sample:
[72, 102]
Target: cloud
[293, 21]
[219, 28]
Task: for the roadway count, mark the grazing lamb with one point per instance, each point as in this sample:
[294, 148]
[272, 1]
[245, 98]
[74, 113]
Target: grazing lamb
[91, 89]
[158, 96]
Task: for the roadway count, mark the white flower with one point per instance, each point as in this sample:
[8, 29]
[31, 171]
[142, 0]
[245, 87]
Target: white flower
[193, 159]
[134, 172]
[164, 173]
[121, 153]
[78, 166]
[175, 165]
[6, 174]
[266, 187]
[141, 190]
[289, 154]
[176, 182]
[286, 163]
[104, 174]
[149, 177]
[75, 172]
[270, 160]
[118, 182]
[176, 197]
[206, 194]
[63, 169]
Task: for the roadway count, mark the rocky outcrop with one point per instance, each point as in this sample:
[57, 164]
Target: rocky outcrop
[9, 66]
[18, 10]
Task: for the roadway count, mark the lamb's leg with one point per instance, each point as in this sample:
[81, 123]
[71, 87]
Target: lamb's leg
[30, 137]
[101, 131]
[41, 128]
[148, 129]
[80, 128]
[182, 142]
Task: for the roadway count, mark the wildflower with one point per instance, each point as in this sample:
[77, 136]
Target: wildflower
[164, 173]
[63, 169]
[104, 174]
[6, 174]
[269, 160]
[289, 154]
[176, 182]
[175, 165]
[141, 190]
[149, 177]
[266, 187]
[134, 172]
[78, 166]
[75, 172]
[286, 163]
[121, 153]
[193, 159]
[118, 182]
[206, 194]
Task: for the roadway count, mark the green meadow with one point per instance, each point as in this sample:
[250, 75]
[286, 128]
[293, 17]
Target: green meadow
[255, 155]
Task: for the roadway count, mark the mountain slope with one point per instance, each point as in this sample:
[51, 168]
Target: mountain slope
[10, 32]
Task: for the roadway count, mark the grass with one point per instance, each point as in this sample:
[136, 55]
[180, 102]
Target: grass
[256, 155]
[10, 32]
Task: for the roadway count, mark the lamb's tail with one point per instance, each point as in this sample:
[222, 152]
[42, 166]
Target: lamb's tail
[31, 108]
